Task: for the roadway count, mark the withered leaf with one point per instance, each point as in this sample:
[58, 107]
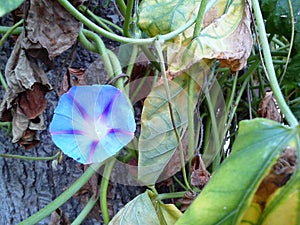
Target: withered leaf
[268, 108]
[59, 217]
[73, 77]
[25, 80]
[32, 102]
[187, 200]
[200, 176]
[96, 73]
[50, 26]
[24, 129]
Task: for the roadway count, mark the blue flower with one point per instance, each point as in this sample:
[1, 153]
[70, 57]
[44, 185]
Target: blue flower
[92, 123]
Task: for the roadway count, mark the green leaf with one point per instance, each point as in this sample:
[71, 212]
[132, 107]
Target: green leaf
[163, 16]
[139, 211]
[145, 210]
[157, 141]
[230, 190]
[7, 6]
[277, 13]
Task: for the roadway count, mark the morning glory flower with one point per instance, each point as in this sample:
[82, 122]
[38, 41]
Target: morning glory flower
[92, 123]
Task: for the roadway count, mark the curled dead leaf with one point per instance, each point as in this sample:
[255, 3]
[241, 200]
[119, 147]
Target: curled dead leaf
[268, 108]
[49, 27]
[200, 176]
[32, 102]
[59, 217]
[73, 77]
[187, 200]
[24, 101]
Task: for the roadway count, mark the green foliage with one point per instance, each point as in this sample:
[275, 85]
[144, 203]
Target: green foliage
[277, 14]
[7, 6]
[231, 189]
[247, 159]
[157, 141]
[144, 209]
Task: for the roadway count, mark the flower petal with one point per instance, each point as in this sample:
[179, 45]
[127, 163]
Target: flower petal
[92, 123]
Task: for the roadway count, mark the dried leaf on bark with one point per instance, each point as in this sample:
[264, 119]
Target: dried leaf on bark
[59, 217]
[49, 27]
[73, 77]
[96, 73]
[24, 101]
[268, 108]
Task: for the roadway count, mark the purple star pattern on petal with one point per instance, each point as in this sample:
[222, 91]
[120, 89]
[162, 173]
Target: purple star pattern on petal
[92, 123]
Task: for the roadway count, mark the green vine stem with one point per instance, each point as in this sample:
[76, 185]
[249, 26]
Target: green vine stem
[103, 189]
[191, 128]
[200, 18]
[166, 85]
[4, 29]
[10, 31]
[3, 82]
[55, 156]
[71, 9]
[122, 7]
[99, 46]
[128, 18]
[46, 211]
[86, 210]
[291, 119]
[291, 41]
[99, 20]
[171, 195]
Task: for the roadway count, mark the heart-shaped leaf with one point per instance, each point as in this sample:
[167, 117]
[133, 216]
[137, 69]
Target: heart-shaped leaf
[158, 141]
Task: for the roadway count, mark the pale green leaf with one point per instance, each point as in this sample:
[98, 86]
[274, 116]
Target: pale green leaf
[230, 191]
[157, 141]
[139, 211]
[163, 16]
[7, 6]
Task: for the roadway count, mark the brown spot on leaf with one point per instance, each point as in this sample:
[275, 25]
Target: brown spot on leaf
[279, 175]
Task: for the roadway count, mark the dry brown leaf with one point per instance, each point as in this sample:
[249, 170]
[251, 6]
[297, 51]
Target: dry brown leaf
[58, 217]
[96, 73]
[24, 100]
[73, 77]
[32, 102]
[49, 27]
[200, 176]
[268, 108]
[187, 200]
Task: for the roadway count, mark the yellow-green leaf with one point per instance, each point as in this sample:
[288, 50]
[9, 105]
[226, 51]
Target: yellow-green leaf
[228, 195]
[139, 211]
[163, 16]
